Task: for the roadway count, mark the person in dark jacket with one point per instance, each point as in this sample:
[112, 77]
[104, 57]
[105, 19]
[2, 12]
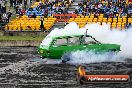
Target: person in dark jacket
[34, 15]
[42, 24]
[9, 14]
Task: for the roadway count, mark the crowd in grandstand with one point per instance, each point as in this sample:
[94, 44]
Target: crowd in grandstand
[4, 15]
[45, 8]
[11, 4]
[108, 8]
[49, 7]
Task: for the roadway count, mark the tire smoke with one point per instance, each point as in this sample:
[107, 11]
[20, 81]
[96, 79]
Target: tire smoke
[103, 34]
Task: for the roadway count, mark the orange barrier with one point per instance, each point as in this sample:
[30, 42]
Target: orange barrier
[64, 17]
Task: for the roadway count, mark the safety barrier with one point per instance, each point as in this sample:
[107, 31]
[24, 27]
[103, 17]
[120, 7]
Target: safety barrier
[64, 17]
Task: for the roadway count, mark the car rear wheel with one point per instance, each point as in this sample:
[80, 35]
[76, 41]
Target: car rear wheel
[66, 57]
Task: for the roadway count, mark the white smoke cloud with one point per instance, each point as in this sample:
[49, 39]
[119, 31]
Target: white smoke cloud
[70, 29]
[80, 57]
[101, 33]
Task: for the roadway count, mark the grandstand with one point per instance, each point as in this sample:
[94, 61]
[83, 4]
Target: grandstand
[78, 11]
[119, 23]
[25, 23]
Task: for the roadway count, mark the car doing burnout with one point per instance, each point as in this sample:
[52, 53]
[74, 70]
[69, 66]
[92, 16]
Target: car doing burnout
[60, 47]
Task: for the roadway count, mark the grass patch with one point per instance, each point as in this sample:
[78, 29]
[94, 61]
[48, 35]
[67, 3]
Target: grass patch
[21, 37]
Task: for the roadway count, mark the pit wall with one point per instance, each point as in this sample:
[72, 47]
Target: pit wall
[24, 33]
[19, 42]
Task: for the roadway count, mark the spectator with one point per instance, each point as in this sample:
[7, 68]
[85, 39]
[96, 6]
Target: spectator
[25, 2]
[34, 15]
[5, 18]
[107, 8]
[129, 25]
[14, 3]
[22, 12]
[9, 14]
[3, 9]
[42, 24]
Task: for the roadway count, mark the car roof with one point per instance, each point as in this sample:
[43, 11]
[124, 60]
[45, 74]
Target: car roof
[54, 37]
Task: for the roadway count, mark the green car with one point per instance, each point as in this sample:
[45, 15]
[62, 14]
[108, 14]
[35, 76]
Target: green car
[60, 47]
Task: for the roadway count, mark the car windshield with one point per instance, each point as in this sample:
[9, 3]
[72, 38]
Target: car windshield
[60, 42]
[47, 41]
[89, 40]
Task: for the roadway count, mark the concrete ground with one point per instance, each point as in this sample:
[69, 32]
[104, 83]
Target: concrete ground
[17, 70]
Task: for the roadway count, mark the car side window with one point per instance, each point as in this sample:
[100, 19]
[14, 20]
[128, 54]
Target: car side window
[60, 42]
[73, 41]
[89, 40]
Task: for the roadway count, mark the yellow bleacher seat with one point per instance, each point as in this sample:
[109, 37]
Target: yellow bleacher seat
[19, 28]
[113, 26]
[86, 16]
[129, 20]
[99, 20]
[37, 27]
[24, 27]
[6, 27]
[122, 27]
[104, 19]
[119, 19]
[47, 28]
[70, 20]
[109, 19]
[10, 27]
[82, 16]
[124, 20]
[114, 23]
[81, 19]
[91, 16]
[109, 23]
[118, 26]
[85, 20]
[33, 27]
[114, 19]
[124, 16]
[119, 23]
[101, 14]
[89, 20]
[95, 20]
[15, 27]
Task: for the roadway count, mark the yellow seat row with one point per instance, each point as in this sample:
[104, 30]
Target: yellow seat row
[125, 20]
[30, 24]
[114, 24]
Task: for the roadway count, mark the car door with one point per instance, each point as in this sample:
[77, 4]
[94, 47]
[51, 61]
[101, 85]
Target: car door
[65, 45]
[58, 47]
[91, 44]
